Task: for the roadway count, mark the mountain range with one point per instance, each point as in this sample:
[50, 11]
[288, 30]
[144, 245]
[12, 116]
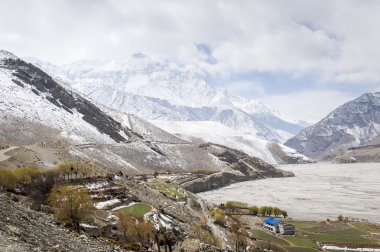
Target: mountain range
[178, 98]
[161, 90]
[354, 124]
[44, 123]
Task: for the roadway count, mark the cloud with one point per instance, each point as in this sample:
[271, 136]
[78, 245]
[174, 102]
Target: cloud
[245, 86]
[206, 53]
[296, 36]
[310, 105]
[333, 41]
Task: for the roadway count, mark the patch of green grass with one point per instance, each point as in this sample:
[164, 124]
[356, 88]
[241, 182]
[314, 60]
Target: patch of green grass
[299, 241]
[300, 249]
[337, 232]
[262, 235]
[310, 232]
[334, 232]
[363, 227]
[338, 237]
[322, 227]
[168, 189]
[302, 225]
[137, 210]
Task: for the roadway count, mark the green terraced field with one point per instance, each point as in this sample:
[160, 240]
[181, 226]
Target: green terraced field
[310, 232]
[137, 210]
[299, 241]
[262, 235]
[168, 189]
[336, 232]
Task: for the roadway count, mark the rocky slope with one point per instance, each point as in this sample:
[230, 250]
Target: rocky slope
[368, 153]
[241, 167]
[23, 230]
[356, 123]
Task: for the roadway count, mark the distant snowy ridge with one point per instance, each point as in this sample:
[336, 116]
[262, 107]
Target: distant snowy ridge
[355, 123]
[218, 133]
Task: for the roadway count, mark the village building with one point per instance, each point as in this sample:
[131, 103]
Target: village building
[277, 227]
[287, 229]
[272, 225]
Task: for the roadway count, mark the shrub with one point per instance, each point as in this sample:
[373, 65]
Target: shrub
[40, 189]
[263, 211]
[126, 223]
[70, 169]
[269, 210]
[219, 216]
[199, 232]
[284, 213]
[277, 211]
[254, 210]
[203, 171]
[235, 206]
[10, 178]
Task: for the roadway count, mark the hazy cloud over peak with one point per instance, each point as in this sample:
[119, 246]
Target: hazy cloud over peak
[326, 44]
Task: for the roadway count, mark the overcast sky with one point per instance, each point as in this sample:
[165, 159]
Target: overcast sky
[302, 58]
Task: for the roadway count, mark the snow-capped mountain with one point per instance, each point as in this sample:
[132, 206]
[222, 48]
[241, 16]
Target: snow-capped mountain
[355, 123]
[30, 94]
[218, 133]
[159, 89]
[43, 122]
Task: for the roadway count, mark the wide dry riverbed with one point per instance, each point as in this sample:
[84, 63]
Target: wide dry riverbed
[318, 191]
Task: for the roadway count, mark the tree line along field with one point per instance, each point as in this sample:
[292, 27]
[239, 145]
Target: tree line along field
[11, 177]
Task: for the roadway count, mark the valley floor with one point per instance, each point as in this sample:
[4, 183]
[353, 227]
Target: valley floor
[317, 192]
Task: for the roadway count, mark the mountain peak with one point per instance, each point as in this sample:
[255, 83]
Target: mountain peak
[7, 55]
[354, 123]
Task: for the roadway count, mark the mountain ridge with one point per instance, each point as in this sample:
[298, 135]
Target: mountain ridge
[352, 124]
[168, 90]
[44, 123]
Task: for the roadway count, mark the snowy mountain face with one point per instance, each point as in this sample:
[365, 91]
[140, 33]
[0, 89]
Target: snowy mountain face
[167, 90]
[30, 93]
[355, 123]
[43, 122]
[214, 132]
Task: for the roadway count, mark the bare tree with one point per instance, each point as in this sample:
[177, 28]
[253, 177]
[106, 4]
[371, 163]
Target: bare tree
[125, 224]
[71, 205]
[238, 236]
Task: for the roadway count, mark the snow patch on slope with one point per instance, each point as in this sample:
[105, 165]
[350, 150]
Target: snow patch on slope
[220, 134]
[22, 102]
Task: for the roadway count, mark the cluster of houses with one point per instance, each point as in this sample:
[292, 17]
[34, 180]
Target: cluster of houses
[278, 227]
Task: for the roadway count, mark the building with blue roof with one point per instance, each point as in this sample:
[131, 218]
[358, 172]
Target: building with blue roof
[272, 221]
[276, 226]
[272, 225]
